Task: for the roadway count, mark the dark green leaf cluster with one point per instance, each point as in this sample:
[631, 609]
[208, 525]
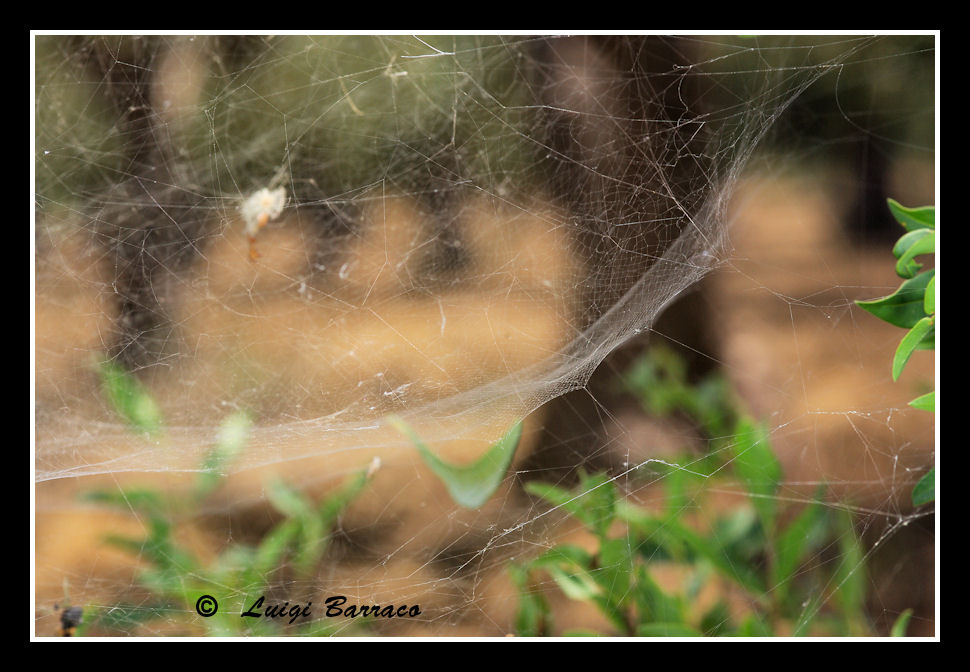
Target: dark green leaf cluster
[913, 307]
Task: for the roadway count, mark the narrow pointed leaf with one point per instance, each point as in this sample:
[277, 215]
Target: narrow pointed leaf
[129, 399]
[899, 627]
[576, 585]
[469, 486]
[929, 297]
[794, 545]
[904, 307]
[593, 503]
[232, 438]
[850, 572]
[909, 343]
[925, 490]
[757, 467]
[913, 218]
[287, 500]
[927, 402]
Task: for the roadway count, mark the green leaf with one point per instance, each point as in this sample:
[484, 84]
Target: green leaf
[910, 246]
[286, 500]
[552, 493]
[850, 575]
[667, 630]
[657, 537]
[911, 341]
[532, 617]
[569, 566]
[924, 491]
[129, 399]
[758, 468]
[312, 541]
[794, 543]
[713, 406]
[929, 297]
[143, 501]
[658, 379]
[593, 504]
[913, 219]
[576, 584]
[904, 307]
[899, 627]
[676, 495]
[739, 527]
[753, 626]
[927, 402]
[563, 555]
[331, 507]
[470, 486]
[616, 562]
[233, 434]
[653, 604]
[572, 569]
[269, 554]
[740, 539]
[671, 530]
[717, 620]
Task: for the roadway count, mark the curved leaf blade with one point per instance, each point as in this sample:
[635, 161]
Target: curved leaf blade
[910, 342]
[929, 297]
[470, 486]
[129, 399]
[899, 627]
[913, 218]
[904, 307]
[927, 402]
[924, 491]
[910, 246]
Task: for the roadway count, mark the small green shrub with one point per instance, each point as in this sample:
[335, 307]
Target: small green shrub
[176, 578]
[766, 548]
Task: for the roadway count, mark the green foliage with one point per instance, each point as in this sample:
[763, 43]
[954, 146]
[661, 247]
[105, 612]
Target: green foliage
[907, 305]
[470, 485]
[230, 443]
[850, 574]
[924, 491]
[899, 627]
[660, 383]
[926, 402]
[129, 399]
[762, 550]
[175, 576]
[913, 307]
[915, 338]
[758, 469]
[913, 219]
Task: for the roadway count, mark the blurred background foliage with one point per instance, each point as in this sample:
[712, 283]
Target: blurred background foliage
[255, 109]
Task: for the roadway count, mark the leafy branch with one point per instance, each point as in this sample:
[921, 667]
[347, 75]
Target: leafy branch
[913, 306]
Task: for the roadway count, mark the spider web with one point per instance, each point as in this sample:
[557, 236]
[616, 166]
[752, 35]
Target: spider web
[476, 230]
